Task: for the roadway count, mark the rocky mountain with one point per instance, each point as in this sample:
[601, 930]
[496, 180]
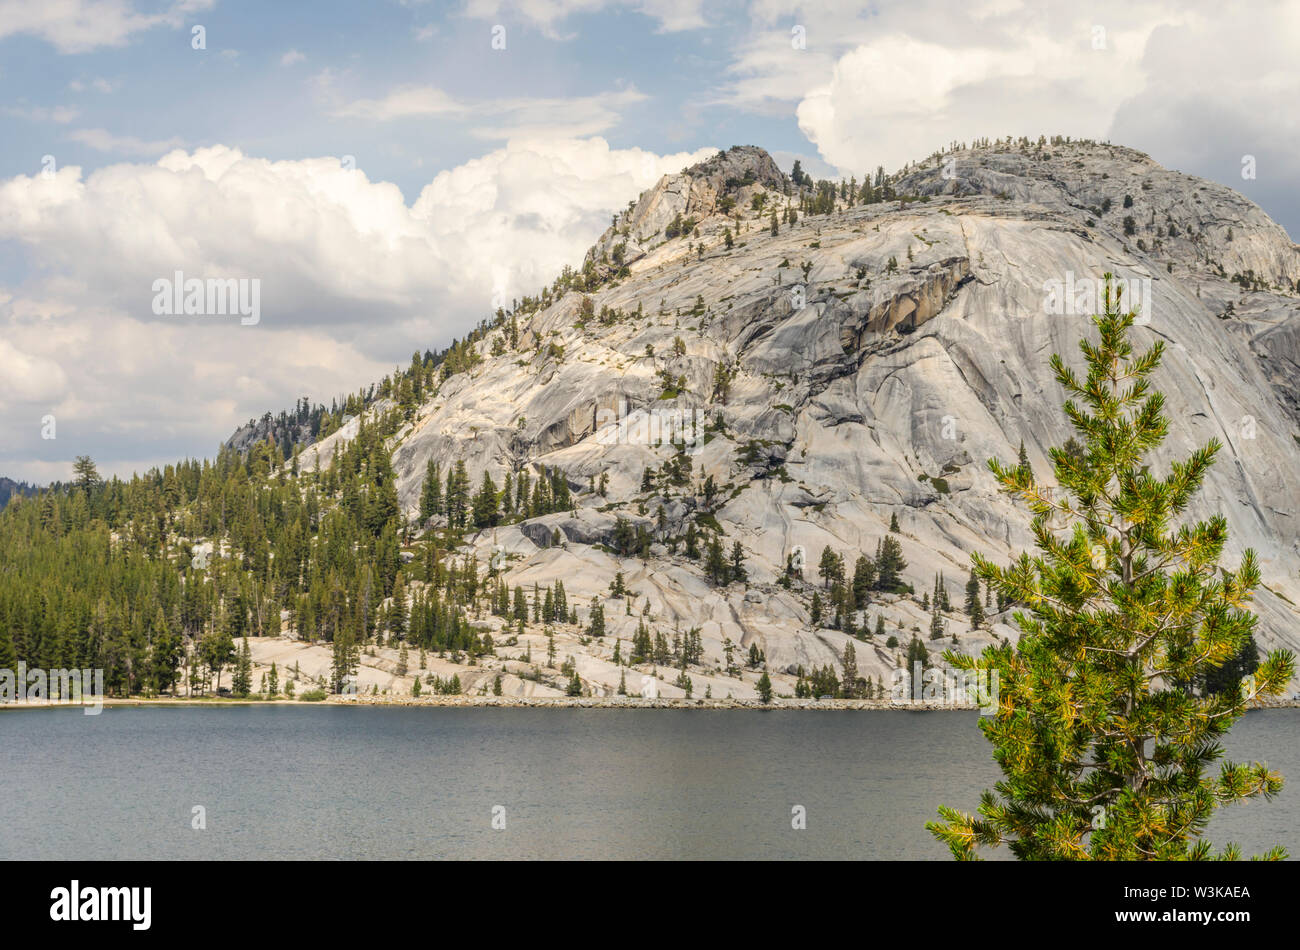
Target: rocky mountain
[859, 365]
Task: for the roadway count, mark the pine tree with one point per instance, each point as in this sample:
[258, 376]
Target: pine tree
[715, 563]
[431, 493]
[864, 575]
[889, 565]
[849, 675]
[738, 572]
[346, 659]
[457, 495]
[974, 609]
[241, 684]
[596, 627]
[916, 653]
[1243, 664]
[8, 655]
[1102, 745]
[397, 614]
[936, 623]
[829, 567]
[485, 503]
[84, 473]
[765, 688]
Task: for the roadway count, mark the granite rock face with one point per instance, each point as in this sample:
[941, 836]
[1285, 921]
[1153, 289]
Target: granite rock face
[874, 358]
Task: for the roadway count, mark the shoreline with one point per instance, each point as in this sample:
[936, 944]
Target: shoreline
[500, 702]
[549, 702]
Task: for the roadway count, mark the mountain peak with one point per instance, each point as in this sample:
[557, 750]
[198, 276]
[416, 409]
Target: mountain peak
[738, 166]
[676, 203]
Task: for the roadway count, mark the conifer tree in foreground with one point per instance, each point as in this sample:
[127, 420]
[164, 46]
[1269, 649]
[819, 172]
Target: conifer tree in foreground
[1104, 753]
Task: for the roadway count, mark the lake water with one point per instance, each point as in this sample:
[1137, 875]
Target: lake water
[373, 782]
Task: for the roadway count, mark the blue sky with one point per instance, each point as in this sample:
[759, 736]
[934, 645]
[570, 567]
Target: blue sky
[387, 174]
[273, 77]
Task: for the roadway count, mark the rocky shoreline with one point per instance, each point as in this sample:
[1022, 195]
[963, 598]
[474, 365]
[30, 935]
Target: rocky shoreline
[566, 702]
[620, 702]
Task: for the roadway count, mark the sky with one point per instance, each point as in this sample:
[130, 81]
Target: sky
[390, 172]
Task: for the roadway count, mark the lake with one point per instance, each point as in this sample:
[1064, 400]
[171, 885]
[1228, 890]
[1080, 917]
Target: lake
[332, 782]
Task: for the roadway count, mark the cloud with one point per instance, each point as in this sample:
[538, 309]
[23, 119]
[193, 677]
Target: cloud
[26, 378]
[809, 164]
[519, 117]
[891, 85]
[99, 84]
[885, 85]
[672, 15]
[290, 57]
[1206, 121]
[60, 115]
[403, 102]
[897, 98]
[77, 26]
[352, 279]
[104, 141]
[574, 117]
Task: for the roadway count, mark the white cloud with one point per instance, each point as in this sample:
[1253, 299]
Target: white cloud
[809, 164]
[575, 117]
[290, 57]
[104, 141]
[515, 217]
[402, 103]
[1205, 120]
[672, 15]
[26, 378]
[60, 115]
[99, 84]
[76, 26]
[885, 85]
[518, 117]
[893, 85]
[890, 83]
[352, 278]
[897, 99]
